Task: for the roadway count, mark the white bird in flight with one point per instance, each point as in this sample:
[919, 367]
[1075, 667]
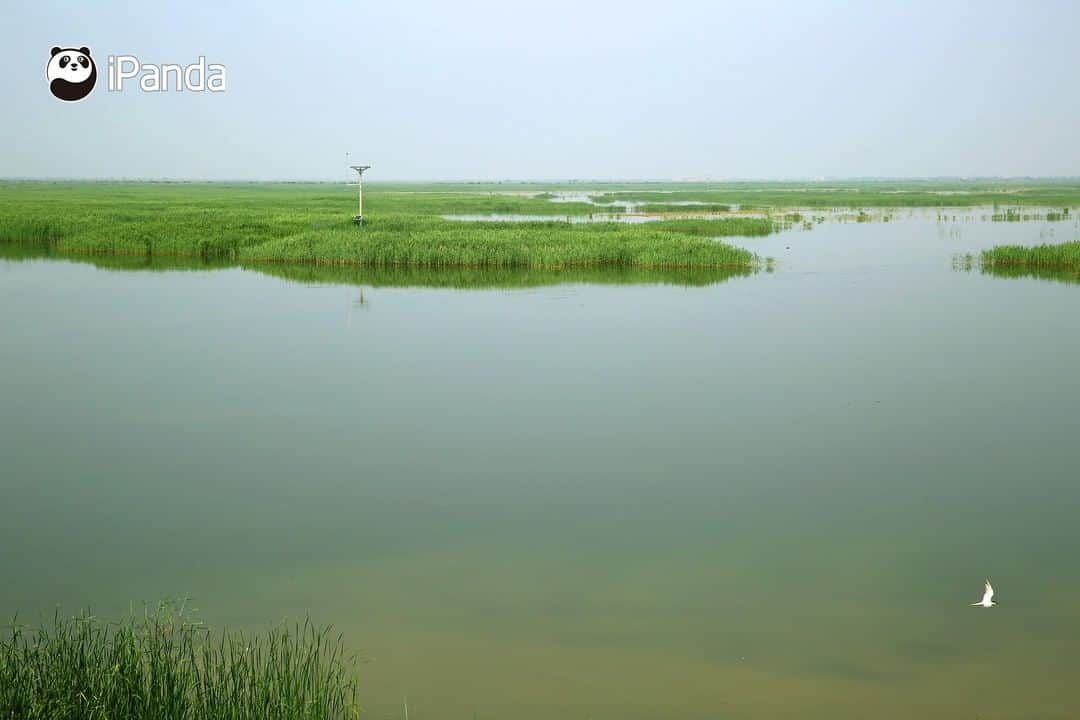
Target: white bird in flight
[988, 597]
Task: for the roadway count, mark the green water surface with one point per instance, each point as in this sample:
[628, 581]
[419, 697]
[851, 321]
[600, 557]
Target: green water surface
[772, 496]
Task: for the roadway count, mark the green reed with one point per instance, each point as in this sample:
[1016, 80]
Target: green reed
[407, 276]
[312, 223]
[509, 245]
[716, 227]
[406, 225]
[668, 208]
[162, 665]
[850, 193]
[1064, 256]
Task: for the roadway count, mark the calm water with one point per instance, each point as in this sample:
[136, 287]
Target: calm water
[773, 496]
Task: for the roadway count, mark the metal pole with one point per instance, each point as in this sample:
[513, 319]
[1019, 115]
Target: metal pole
[359, 219]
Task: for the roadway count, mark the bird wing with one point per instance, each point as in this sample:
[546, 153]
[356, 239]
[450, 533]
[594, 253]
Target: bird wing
[988, 593]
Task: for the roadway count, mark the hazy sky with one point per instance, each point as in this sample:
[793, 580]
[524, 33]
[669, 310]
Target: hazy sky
[554, 89]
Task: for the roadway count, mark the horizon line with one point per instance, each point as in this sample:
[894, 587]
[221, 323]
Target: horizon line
[526, 181]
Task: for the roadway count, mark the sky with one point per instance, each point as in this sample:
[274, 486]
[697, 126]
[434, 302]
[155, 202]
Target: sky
[557, 89]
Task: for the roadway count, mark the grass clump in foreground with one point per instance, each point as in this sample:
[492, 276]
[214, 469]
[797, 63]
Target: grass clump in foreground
[1065, 256]
[164, 666]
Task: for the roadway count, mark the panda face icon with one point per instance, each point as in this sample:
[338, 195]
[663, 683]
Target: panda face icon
[72, 73]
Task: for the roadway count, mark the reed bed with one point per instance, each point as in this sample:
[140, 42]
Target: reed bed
[786, 193]
[555, 246]
[313, 224]
[717, 227]
[1064, 256]
[853, 194]
[669, 208]
[162, 665]
[405, 276]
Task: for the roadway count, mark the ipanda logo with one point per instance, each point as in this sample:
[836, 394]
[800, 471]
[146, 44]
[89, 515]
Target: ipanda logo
[72, 74]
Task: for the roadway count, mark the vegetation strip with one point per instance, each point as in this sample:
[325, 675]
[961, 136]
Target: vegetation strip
[311, 224]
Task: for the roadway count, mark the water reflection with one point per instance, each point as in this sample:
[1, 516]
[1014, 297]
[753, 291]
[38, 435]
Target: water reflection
[451, 277]
[495, 278]
[1070, 277]
[28, 252]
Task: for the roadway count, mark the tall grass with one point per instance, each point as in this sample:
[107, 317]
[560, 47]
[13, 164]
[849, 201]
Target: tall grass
[720, 227]
[668, 209]
[162, 665]
[312, 224]
[463, 278]
[1064, 256]
[555, 246]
